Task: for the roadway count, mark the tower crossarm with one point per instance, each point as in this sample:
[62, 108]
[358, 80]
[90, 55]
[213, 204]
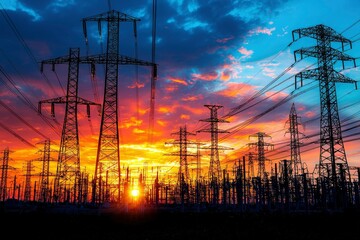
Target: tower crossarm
[117, 16]
[317, 32]
[317, 74]
[317, 51]
[120, 59]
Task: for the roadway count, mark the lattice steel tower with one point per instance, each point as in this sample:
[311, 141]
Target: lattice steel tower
[295, 142]
[108, 153]
[183, 153]
[68, 167]
[45, 173]
[27, 192]
[4, 175]
[214, 167]
[332, 152]
[261, 146]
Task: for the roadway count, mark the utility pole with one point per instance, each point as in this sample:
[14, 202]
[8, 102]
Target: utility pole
[332, 151]
[108, 152]
[68, 167]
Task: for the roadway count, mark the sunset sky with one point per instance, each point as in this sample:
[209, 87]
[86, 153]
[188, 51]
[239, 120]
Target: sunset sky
[209, 52]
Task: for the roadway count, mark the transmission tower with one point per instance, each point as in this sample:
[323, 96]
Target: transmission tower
[294, 123]
[45, 173]
[214, 167]
[261, 147]
[68, 167]
[108, 154]
[183, 174]
[183, 152]
[251, 164]
[4, 175]
[27, 191]
[332, 152]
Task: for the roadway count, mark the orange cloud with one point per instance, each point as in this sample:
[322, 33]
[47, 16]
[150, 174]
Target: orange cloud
[178, 80]
[225, 75]
[164, 109]
[184, 116]
[206, 77]
[139, 85]
[192, 98]
[171, 88]
[236, 89]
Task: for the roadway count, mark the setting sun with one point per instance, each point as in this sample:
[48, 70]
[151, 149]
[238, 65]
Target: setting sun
[135, 192]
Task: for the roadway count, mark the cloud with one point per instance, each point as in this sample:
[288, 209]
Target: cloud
[233, 90]
[206, 76]
[261, 30]
[178, 80]
[247, 53]
[15, 5]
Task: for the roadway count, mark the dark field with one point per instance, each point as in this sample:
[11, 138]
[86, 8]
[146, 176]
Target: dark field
[180, 225]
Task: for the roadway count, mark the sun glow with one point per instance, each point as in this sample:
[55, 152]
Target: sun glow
[135, 192]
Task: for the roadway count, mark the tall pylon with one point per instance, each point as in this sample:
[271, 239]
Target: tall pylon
[294, 123]
[27, 192]
[183, 153]
[44, 193]
[261, 147]
[214, 174]
[68, 167]
[214, 167]
[332, 152]
[4, 175]
[108, 153]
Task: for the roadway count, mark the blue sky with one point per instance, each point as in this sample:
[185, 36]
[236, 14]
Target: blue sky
[209, 52]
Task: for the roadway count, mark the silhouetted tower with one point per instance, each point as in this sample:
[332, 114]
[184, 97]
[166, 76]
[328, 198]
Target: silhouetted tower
[183, 180]
[4, 175]
[108, 146]
[332, 151]
[68, 167]
[261, 147]
[214, 167]
[295, 142]
[27, 191]
[183, 152]
[251, 164]
[45, 173]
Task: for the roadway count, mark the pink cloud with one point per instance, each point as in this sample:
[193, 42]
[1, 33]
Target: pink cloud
[261, 30]
[206, 77]
[236, 89]
[224, 40]
[245, 52]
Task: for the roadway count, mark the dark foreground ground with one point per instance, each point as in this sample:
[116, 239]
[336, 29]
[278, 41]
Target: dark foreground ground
[179, 225]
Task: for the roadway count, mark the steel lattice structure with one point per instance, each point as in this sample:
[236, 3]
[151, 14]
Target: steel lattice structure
[27, 192]
[332, 152]
[4, 175]
[214, 167]
[68, 167]
[108, 153]
[294, 123]
[45, 173]
[261, 146]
